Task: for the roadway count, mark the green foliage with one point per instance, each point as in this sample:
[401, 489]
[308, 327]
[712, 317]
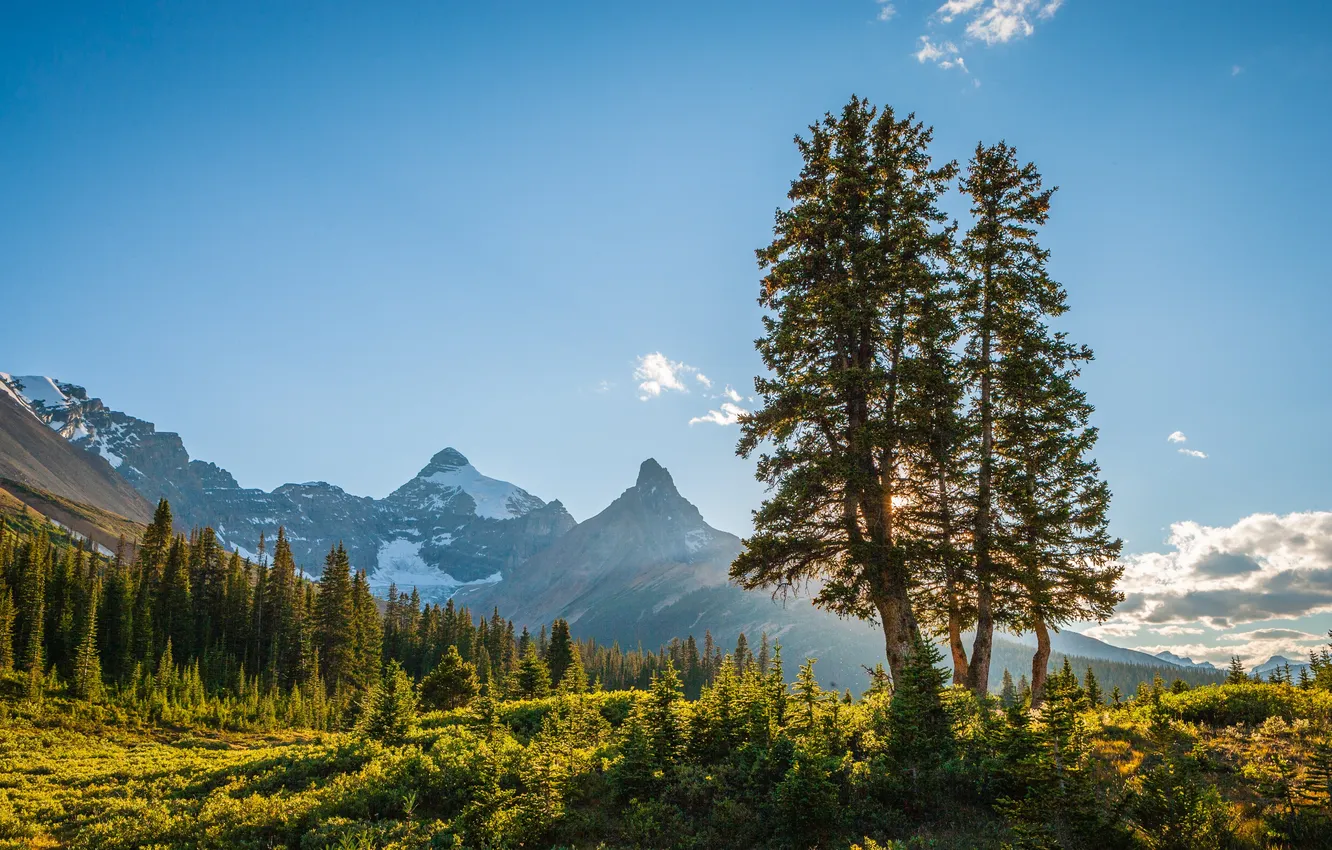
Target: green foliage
[452, 684]
[389, 713]
[1171, 807]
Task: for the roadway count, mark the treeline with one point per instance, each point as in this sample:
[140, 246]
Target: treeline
[184, 629]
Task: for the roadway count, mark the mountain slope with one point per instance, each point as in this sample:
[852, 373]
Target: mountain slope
[35, 454]
[648, 569]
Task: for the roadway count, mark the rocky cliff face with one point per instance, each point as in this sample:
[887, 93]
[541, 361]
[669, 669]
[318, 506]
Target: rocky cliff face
[447, 527]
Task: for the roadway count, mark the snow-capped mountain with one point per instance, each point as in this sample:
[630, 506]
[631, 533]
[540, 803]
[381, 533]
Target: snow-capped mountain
[447, 527]
[1183, 661]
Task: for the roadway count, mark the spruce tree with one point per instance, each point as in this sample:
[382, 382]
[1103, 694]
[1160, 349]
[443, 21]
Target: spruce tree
[87, 678]
[920, 734]
[574, 680]
[663, 718]
[7, 617]
[1041, 555]
[390, 707]
[1008, 695]
[335, 621]
[33, 565]
[1235, 674]
[560, 650]
[173, 614]
[115, 630]
[532, 678]
[452, 684]
[1092, 689]
[860, 243]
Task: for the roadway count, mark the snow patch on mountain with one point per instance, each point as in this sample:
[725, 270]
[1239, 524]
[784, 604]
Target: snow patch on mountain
[400, 563]
[697, 539]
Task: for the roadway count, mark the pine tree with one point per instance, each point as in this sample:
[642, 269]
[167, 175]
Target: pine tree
[574, 680]
[808, 697]
[920, 735]
[367, 634]
[1092, 689]
[34, 564]
[1235, 675]
[116, 622]
[560, 650]
[860, 243]
[390, 707]
[7, 617]
[1041, 552]
[1008, 695]
[532, 679]
[452, 684]
[173, 611]
[663, 718]
[87, 665]
[335, 621]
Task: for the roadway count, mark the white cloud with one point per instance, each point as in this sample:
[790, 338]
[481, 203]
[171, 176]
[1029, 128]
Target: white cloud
[1193, 453]
[989, 21]
[657, 373]
[704, 380]
[1236, 70]
[730, 393]
[728, 415]
[1113, 630]
[1264, 567]
[604, 387]
[1175, 631]
[1177, 437]
[951, 9]
[886, 10]
[945, 54]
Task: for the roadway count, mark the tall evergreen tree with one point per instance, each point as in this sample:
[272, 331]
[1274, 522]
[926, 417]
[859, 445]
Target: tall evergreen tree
[1040, 551]
[560, 650]
[335, 617]
[34, 563]
[87, 665]
[850, 260]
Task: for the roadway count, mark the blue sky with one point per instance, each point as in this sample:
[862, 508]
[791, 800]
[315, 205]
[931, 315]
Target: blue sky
[323, 241]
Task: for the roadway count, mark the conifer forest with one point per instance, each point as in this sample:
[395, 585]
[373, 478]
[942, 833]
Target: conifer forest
[930, 467]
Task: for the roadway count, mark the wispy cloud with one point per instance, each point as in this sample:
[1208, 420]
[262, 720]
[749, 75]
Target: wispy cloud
[728, 415]
[945, 54]
[1236, 70]
[1194, 453]
[703, 379]
[730, 393]
[657, 373]
[989, 22]
[1177, 437]
[886, 10]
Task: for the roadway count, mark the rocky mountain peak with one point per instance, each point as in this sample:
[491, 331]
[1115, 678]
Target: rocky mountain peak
[652, 474]
[445, 460]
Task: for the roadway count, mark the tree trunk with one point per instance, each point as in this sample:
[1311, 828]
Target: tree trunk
[899, 631]
[979, 672]
[1040, 663]
[960, 667]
